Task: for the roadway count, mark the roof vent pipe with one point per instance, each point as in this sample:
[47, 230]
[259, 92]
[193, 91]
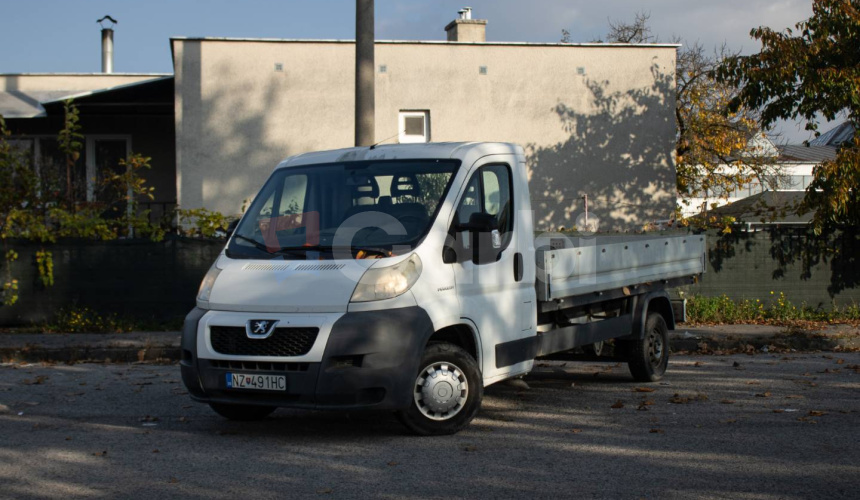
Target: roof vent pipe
[107, 23]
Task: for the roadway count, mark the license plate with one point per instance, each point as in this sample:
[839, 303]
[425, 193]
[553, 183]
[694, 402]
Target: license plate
[258, 382]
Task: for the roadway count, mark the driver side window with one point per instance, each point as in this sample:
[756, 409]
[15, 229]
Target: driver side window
[488, 192]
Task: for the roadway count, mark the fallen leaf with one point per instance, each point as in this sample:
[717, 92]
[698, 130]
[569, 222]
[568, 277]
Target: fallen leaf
[765, 394]
[794, 396]
[155, 451]
[697, 363]
[728, 421]
[816, 413]
[702, 397]
[148, 419]
[778, 411]
[324, 491]
[840, 361]
[173, 480]
[392, 464]
[644, 389]
[727, 402]
[100, 453]
[807, 420]
[678, 399]
[470, 448]
[618, 404]
[576, 431]
[657, 431]
[39, 380]
[753, 382]
[68, 438]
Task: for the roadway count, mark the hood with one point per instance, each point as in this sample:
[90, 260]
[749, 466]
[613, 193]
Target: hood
[287, 286]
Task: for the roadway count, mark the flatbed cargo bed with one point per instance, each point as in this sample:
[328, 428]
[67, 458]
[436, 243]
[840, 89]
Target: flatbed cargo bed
[575, 266]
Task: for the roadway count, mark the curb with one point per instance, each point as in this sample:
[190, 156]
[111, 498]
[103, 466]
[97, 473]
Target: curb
[678, 343]
[73, 355]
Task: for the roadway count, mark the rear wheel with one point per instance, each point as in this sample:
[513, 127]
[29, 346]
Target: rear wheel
[648, 358]
[242, 412]
[446, 394]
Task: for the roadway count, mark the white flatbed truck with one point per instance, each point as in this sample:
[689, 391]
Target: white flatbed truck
[408, 278]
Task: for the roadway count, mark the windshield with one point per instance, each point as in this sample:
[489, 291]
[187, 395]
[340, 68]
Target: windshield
[367, 209]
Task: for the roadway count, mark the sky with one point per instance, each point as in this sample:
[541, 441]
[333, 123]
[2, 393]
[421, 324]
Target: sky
[62, 35]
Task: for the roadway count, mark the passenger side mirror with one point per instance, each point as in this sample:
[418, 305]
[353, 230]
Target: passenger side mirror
[480, 222]
[484, 238]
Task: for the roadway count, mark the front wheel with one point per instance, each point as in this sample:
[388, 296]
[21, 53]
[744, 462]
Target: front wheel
[648, 358]
[446, 394]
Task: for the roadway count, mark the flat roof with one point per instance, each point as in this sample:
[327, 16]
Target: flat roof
[87, 74]
[109, 89]
[429, 42]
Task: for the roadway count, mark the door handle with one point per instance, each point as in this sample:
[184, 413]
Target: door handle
[518, 266]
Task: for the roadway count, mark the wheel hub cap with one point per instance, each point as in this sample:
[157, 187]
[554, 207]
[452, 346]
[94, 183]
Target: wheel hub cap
[441, 391]
[656, 353]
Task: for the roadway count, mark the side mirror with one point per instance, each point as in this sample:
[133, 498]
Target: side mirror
[232, 228]
[480, 222]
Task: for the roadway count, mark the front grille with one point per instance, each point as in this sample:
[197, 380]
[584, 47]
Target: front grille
[233, 340]
[258, 366]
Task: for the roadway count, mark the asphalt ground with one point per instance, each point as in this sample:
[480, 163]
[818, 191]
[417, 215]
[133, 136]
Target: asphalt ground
[738, 426]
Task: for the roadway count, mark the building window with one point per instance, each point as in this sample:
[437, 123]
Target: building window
[414, 126]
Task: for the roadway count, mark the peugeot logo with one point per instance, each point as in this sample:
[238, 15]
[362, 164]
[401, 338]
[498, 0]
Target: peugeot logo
[260, 328]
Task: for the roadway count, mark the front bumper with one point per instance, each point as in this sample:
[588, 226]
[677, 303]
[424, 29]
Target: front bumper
[369, 360]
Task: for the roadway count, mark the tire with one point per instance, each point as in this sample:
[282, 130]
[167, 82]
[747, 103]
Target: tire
[244, 413]
[452, 369]
[648, 358]
[595, 349]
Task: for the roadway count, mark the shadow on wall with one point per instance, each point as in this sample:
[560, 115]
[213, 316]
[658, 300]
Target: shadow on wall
[620, 155]
[795, 261]
[226, 157]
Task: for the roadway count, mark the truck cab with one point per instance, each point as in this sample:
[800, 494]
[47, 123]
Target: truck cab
[397, 277]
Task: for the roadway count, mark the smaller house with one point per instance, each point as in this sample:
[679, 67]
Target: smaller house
[766, 209]
[794, 164]
[119, 114]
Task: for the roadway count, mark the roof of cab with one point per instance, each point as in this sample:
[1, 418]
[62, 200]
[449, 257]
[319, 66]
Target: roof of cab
[432, 150]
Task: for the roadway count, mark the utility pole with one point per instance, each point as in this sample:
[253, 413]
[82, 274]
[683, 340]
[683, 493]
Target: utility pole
[365, 98]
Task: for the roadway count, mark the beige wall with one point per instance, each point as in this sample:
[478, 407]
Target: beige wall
[608, 133]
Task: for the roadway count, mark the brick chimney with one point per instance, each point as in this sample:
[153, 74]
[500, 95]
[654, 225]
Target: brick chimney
[466, 29]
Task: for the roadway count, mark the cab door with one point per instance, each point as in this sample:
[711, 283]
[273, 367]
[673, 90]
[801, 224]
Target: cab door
[488, 267]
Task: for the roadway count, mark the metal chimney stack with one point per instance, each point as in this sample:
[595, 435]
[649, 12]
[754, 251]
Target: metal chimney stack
[107, 42]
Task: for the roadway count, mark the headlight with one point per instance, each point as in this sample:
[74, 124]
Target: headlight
[388, 282]
[207, 284]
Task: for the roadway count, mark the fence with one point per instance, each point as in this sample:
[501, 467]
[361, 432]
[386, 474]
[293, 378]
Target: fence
[131, 278]
[817, 270]
[158, 281]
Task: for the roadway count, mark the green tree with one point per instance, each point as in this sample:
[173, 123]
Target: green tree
[18, 193]
[69, 140]
[809, 73]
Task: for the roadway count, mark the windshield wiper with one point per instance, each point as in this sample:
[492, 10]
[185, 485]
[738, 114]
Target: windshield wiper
[312, 248]
[264, 248]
